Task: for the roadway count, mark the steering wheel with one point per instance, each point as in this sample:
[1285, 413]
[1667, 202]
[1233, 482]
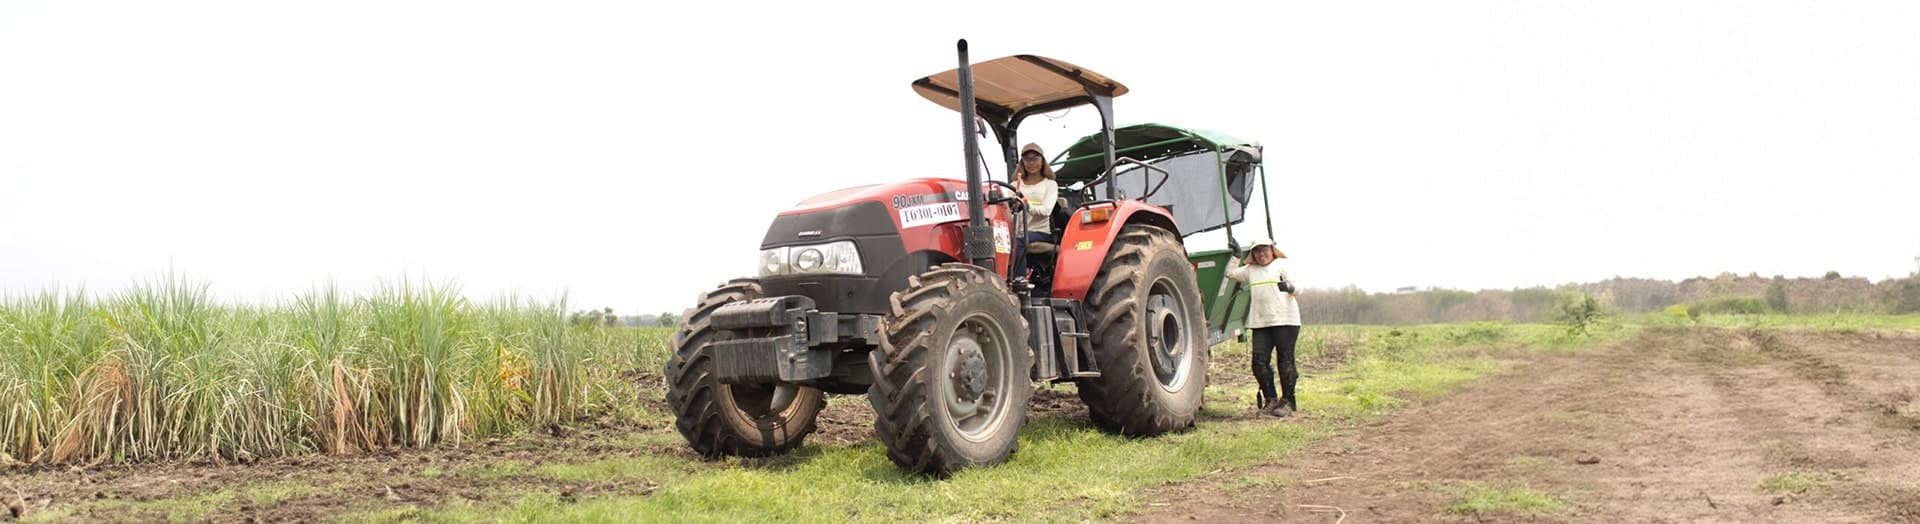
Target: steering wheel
[1017, 195]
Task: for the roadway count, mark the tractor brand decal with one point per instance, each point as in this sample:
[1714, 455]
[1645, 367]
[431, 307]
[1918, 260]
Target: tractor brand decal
[906, 201]
[1083, 245]
[1203, 265]
[925, 214]
[1001, 242]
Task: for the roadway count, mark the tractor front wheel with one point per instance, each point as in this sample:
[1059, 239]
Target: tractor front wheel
[951, 375]
[1149, 337]
[731, 419]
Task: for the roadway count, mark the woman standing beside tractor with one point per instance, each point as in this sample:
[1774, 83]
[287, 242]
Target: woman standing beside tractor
[1275, 320]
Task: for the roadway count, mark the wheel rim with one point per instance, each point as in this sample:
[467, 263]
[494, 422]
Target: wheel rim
[762, 401]
[1169, 340]
[977, 382]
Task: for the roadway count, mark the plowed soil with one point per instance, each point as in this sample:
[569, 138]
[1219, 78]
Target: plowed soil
[1674, 426]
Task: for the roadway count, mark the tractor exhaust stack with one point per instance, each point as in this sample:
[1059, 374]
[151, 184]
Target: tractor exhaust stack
[979, 248]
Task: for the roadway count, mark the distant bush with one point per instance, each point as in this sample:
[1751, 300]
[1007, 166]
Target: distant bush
[1777, 294]
[1394, 344]
[1477, 333]
[1731, 306]
[1580, 314]
[1682, 313]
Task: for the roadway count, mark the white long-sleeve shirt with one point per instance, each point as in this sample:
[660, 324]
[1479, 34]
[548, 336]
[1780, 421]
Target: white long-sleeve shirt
[1270, 307]
[1041, 198]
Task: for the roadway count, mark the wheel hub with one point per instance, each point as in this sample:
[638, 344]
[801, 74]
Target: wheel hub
[970, 379]
[977, 380]
[1163, 334]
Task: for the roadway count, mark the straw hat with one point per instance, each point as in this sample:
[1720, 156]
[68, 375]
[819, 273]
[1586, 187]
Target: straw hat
[1269, 243]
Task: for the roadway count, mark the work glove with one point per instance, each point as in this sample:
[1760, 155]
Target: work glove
[1286, 287]
[1235, 246]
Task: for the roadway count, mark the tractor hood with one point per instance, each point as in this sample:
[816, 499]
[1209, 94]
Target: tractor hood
[899, 229]
[909, 204]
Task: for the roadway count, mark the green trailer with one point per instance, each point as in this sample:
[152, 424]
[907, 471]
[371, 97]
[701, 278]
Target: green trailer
[1213, 181]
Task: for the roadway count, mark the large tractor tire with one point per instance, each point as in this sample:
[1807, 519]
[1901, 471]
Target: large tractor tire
[951, 376]
[731, 419]
[1149, 337]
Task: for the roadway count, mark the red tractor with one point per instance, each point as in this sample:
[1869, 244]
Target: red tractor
[901, 291]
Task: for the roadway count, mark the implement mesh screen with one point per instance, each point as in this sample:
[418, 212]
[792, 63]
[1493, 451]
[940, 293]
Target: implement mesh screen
[1192, 190]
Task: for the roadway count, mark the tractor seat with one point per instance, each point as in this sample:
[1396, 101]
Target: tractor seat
[1041, 248]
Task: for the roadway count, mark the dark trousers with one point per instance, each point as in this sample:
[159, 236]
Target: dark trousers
[1265, 341]
[1020, 256]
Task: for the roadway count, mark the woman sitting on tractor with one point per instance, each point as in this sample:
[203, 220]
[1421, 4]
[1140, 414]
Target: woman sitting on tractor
[1036, 183]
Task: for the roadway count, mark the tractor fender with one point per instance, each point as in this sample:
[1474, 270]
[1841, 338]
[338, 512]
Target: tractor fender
[1083, 247]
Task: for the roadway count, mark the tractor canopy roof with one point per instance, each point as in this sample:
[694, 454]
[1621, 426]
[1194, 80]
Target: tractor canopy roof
[1085, 160]
[1010, 87]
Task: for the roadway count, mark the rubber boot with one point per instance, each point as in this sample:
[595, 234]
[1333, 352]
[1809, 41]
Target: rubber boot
[1282, 408]
[1272, 409]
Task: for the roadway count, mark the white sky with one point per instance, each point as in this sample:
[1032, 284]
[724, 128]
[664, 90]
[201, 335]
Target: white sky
[632, 154]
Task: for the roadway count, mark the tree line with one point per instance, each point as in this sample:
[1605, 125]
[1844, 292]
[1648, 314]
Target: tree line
[605, 317]
[1724, 293]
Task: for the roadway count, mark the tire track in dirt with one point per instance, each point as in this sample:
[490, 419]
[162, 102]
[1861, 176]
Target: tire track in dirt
[1673, 426]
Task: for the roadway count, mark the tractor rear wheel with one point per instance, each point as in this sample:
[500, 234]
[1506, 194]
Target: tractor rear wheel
[731, 419]
[1149, 337]
[951, 376]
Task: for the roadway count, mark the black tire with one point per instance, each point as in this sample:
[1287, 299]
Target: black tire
[1145, 289]
[730, 419]
[951, 377]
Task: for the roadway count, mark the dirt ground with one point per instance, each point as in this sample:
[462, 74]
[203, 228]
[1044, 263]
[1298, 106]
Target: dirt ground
[1674, 426]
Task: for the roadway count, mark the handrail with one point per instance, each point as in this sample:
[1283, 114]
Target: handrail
[1164, 176]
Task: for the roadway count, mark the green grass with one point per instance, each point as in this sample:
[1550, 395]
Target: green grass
[1063, 467]
[1797, 482]
[1482, 499]
[1065, 470]
[659, 469]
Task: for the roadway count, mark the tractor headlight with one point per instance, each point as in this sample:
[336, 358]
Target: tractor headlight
[832, 257]
[773, 261]
[807, 259]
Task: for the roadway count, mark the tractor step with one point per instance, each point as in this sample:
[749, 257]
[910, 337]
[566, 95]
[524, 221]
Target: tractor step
[1076, 346]
[1062, 350]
